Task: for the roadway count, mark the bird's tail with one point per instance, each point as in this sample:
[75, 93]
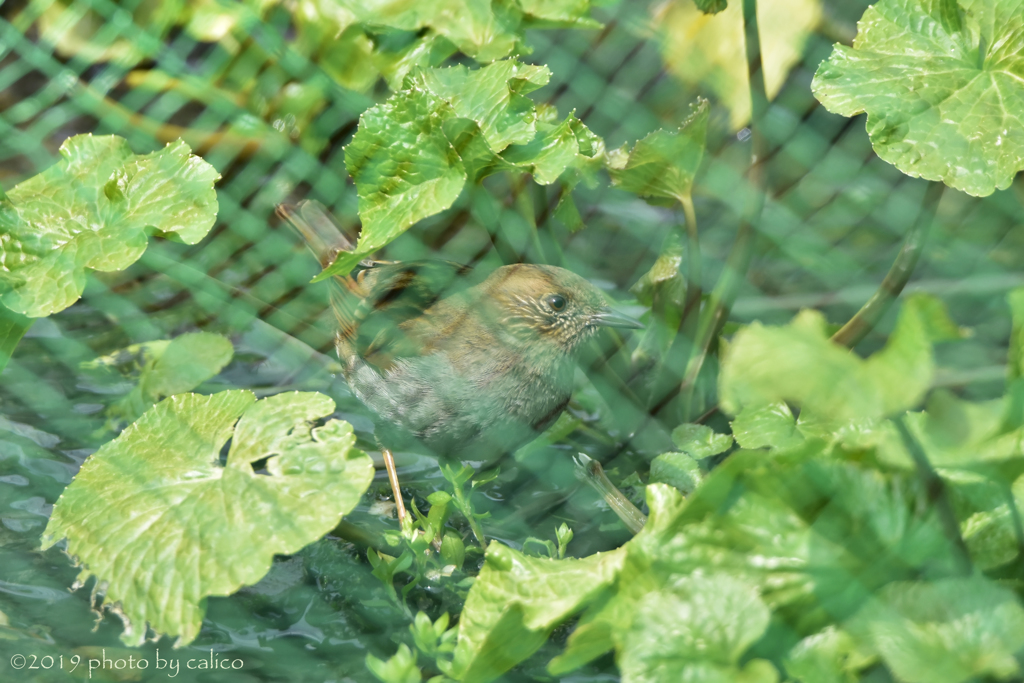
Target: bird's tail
[317, 227]
[325, 239]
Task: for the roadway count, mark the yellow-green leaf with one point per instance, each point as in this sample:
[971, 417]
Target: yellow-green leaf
[157, 519]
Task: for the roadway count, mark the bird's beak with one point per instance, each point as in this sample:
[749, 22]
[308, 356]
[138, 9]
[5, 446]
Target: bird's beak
[612, 318]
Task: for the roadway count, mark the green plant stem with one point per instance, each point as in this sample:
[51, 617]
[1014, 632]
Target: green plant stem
[529, 200]
[467, 511]
[724, 294]
[755, 72]
[899, 274]
[590, 470]
[693, 278]
[502, 247]
[937, 496]
[356, 534]
[13, 327]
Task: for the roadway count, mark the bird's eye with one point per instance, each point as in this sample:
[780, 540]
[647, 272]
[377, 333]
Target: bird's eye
[556, 302]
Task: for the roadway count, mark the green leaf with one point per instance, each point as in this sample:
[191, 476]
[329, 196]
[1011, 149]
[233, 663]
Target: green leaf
[711, 6]
[495, 118]
[188, 361]
[429, 636]
[700, 441]
[934, 317]
[167, 367]
[358, 42]
[694, 630]
[439, 498]
[92, 210]
[433, 524]
[412, 155]
[552, 151]
[904, 368]
[663, 275]
[664, 163]
[546, 548]
[942, 85]
[949, 631]
[833, 387]
[830, 656]
[566, 211]
[957, 433]
[186, 527]
[404, 167]
[868, 530]
[604, 624]
[563, 536]
[517, 600]
[990, 538]
[796, 363]
[493, 97]
[663, 289]
[771, 425]
[756, 537]
[13, 327]
[471, 25]
[678, 470]
[453, 550]
[712, 532]
[707, 51]
[399, 668]
[558, 13]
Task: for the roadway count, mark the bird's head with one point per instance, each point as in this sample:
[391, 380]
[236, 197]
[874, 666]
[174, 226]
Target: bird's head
[549, 306]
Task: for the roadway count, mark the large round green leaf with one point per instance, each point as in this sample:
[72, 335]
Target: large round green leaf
[943, 87]
[159, 521]
[949, 631]
[92, 210]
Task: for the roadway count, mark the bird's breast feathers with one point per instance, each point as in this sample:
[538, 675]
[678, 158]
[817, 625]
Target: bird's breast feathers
[484, 405]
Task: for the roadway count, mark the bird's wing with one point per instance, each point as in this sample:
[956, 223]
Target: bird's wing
[380, 306]
[388, 321]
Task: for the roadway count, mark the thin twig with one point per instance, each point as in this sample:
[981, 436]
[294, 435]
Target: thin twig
[899, 274]
[590, 470]
[404, 521]
[937, 495]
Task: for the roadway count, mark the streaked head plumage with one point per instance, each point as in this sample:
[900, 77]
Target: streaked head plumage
[549, 305]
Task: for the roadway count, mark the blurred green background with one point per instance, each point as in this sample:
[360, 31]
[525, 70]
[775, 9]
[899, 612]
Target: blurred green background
[272, 110]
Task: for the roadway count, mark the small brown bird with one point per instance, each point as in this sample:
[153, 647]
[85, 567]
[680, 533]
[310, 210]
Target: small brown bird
[471, 370]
